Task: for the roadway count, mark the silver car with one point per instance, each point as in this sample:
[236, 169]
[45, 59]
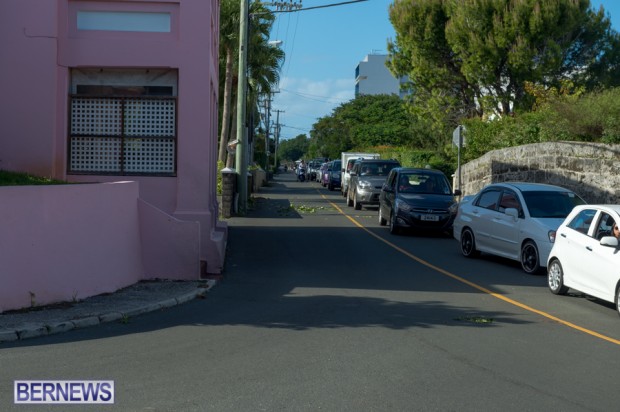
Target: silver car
[514, 220]
[367, 178]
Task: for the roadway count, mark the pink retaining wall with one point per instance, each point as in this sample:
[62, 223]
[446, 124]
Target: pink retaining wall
[41, 41]
[60, 243]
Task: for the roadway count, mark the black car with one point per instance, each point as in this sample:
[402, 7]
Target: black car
[417, 199]
[333, 179]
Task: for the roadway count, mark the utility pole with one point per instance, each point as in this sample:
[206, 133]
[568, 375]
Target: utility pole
[277, 137]
[241, 161]
[267, 126]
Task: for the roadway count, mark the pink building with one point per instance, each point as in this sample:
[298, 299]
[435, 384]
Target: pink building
[110, 91]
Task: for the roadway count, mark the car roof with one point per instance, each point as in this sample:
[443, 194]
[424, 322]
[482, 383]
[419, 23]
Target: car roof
[605, 207]
[418, 170]
[529, 187]
[377, 161]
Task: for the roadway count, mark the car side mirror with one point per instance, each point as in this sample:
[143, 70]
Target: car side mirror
[387, 188]
[457, 192]
[511, 211]
[610, 241]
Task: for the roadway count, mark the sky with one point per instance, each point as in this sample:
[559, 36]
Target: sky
[323, 46]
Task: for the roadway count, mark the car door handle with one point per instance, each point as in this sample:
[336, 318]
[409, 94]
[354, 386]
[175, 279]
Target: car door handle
[589, 248]
[562, 234]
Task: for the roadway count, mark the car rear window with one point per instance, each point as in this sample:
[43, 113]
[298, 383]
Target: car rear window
[546, 204]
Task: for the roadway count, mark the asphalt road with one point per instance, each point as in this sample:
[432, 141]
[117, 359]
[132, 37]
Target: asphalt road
[321, 308]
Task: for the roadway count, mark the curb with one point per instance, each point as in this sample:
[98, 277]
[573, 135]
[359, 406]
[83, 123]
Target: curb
[34, 330]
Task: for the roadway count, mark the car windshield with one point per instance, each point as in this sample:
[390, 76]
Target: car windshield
[423, 183]
[551, 204]
[376, 169]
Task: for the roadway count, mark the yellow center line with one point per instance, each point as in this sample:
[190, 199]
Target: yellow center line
[473, 285]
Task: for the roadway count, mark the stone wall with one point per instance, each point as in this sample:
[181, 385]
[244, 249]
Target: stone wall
[590, 169]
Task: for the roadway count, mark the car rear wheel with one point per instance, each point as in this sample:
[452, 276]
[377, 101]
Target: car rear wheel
[529, 258]
[394, 229]
[555, 278]
[382, 221]
[356, 205]
[330, 187]
[468, 244]
[618, 299]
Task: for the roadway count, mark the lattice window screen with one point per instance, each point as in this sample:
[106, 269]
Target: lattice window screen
[95, 154]
[149, 155]
[150, 118]
[118, 135]
[92, 116]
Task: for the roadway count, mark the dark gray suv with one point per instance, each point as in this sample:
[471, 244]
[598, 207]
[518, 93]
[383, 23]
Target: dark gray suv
[367, 178]
[417, 199]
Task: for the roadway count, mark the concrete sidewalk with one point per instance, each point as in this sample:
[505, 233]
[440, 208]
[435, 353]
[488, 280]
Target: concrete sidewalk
[146, 296]
[143, 297]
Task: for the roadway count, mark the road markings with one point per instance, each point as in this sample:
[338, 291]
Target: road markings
[474, 285]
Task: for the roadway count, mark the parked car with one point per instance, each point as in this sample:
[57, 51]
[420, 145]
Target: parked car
[586, 255]
[417, 199]
[313, 166]
[366, 180]
[514, 220]
[334, 174]
[347, 159]
[320, 176]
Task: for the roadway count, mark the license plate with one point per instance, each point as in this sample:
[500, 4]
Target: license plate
[430, 218]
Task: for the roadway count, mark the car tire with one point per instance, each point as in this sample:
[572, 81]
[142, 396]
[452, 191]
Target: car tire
[555, 279]
[349, 200]
[330, 187]
[394, 229]
[382, 221]
[468, 244]
[618, 299]
[530, 261]
[356, 205]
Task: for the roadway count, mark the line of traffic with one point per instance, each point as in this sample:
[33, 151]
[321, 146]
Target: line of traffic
[472, 284]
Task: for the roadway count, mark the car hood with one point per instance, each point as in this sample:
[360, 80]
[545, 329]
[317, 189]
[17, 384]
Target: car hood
[427, 200]
[548, 223]
[373, 180]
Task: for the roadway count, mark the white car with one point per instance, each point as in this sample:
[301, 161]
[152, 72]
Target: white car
[586, 256]
[514, 220]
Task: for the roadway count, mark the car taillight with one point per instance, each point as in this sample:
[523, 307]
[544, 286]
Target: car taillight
[551, 235]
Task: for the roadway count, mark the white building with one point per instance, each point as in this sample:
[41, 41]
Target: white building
[373, 77]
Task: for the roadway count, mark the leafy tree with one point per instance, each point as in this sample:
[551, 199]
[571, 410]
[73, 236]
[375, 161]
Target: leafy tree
[229, 44]
[368, 120]
[472, 57]
[293, 149]
[587, 117]
[264, 63]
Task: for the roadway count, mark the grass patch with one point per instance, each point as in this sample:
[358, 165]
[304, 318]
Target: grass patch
[24, 179]
[475, 319]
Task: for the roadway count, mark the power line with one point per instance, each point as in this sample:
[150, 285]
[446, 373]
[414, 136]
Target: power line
[320, 7]
[325, 99]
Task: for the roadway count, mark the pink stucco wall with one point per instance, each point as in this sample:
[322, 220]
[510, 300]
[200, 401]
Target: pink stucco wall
[40, 42]
[67, 242]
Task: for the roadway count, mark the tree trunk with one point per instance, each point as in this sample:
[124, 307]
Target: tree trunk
[230, 159]
[224, 133]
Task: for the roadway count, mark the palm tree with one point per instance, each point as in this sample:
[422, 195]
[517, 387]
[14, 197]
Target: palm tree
[264, 60]
[229, 44]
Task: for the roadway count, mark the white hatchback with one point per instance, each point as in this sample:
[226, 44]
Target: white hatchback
[514, 220]
[586, 253]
